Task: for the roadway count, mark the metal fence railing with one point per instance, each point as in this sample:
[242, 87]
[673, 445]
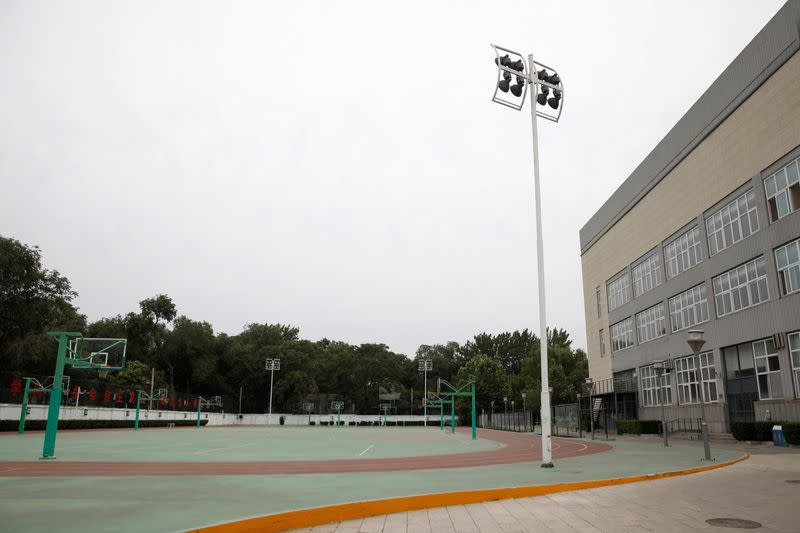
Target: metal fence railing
[521, 421]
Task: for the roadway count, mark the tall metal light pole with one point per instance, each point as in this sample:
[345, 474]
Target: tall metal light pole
[272, 365]
[424, 366]
[696, 342]
[544, 80]
[660, 366]
[589, 387]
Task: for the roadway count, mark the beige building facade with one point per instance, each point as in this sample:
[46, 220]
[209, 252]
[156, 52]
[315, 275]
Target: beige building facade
[704, 235]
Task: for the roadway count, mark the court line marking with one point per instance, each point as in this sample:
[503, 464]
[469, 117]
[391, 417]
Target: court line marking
[368, 449]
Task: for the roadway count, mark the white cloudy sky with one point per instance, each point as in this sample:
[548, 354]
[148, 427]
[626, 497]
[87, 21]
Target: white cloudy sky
[334, 165]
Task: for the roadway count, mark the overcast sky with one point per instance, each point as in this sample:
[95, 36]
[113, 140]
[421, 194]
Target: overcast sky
[337, 166]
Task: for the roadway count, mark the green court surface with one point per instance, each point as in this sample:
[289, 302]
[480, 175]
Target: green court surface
[169, 503]
[243, 444]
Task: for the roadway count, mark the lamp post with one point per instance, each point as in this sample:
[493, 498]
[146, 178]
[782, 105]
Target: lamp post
[524, 395]
[580, 420]
[589, 387]
[492, 415]
[272, 365]
[659, 366]
[424, 366]
[505, 406]
[696, 342]
[543, 82]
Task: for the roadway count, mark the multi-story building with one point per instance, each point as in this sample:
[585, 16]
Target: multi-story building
[705, 234]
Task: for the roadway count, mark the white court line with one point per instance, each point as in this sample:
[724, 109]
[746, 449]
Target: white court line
[368, 449]
[201, 452]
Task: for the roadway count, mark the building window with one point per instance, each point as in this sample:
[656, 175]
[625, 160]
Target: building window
[783, 191]
[602, 343]
[741, 287]
[651, 323]
[687, 380]
[708, 376]
[788, 260]
[619, 291]
[683, 253]
[794, 351]
[768, 369]
[739, 361]
[650, 386]
[689, 308]
[647, 275]
[622, 335]
[597, 294]
[732, 223]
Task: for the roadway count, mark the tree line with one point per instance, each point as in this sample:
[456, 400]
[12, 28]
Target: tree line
[190, 357]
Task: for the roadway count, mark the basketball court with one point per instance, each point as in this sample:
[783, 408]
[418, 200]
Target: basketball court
[188, 478]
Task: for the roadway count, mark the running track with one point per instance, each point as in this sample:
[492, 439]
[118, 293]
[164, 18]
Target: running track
[519, 448]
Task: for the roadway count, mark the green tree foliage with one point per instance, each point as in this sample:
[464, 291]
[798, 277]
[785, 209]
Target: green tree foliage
[190, 357]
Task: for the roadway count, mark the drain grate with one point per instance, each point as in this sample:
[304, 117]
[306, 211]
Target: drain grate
[735, 523]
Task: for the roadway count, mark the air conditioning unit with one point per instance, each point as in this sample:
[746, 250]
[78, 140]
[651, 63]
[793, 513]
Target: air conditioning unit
[779, 339]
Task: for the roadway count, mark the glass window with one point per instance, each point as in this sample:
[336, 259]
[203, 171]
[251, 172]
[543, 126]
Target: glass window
[619, 291]
[602, 343]
[647, 275]
[732, 223]
[708, 376]
[622, 335]
[687, 380]
[783, 191]
[683, 252]
[689, 308]
[651, 323]
[794, 351]
[741, 287]
[768, 369]
[787, 258]
[650, 387]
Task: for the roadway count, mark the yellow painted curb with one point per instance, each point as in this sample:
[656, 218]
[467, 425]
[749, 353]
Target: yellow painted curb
[350, 511]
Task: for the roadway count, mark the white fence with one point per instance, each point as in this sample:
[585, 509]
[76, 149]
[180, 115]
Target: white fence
[9, 411]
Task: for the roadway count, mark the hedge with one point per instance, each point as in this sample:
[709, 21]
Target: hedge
[33, 425]
[637, 427]
[762, 431]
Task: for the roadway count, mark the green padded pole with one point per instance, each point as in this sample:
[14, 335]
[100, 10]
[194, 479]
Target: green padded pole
[24, 410]
[452, 414]
[49, 448]
[441, 416]
[338, 420]
[199, 403]
[474, 432]
[138, 402]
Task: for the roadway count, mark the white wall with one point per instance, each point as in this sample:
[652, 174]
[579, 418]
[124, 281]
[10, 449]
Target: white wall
[10, 411]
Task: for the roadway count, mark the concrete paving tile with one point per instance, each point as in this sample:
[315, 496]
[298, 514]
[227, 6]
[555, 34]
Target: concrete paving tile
[462, 521]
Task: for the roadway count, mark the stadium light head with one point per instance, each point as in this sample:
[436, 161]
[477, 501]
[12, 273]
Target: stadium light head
[516, 90]
[555, 100]
[541, 98]
[503, 85]
[504, 61]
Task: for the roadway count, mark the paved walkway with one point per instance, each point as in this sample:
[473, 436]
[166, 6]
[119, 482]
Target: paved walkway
[752, 490]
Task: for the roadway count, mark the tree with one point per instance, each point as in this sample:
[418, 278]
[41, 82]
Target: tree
[491, 384]
[153, 312]
[33, 300]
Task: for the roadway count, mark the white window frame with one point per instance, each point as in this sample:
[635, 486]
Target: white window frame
[618, 291]
[738, 284]
[778, 190]
[602, 343]
[793, 341]
[708, 376]
[689, 308]
[620, 332]
[599, 305]
[787, 260]
[769, 356]
[649, 380]
[683, 253]
[647, 274]
[651, 323]
[687, 382]
[733, 222]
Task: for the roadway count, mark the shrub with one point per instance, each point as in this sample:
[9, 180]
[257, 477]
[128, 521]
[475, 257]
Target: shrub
[637, 427]
[312, 423]
[762, 431]
[33, 425]
[282, 419]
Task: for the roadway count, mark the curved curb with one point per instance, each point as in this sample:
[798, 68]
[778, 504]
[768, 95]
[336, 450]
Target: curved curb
[350, 511]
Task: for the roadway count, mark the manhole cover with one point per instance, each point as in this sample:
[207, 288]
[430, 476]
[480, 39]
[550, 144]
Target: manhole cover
[793, 481]
[736, 523]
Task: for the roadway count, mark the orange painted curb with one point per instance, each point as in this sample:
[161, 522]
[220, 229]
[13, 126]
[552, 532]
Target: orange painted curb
[350, 511]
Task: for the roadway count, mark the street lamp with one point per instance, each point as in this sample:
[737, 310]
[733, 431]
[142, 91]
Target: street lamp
[660, 366]
[424, 366]
[272, 365]
[696, 342]
[524, 395]
[589, 387]
[544, 80]
[505, 405]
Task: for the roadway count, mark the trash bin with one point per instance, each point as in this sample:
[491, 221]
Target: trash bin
[777, 436]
